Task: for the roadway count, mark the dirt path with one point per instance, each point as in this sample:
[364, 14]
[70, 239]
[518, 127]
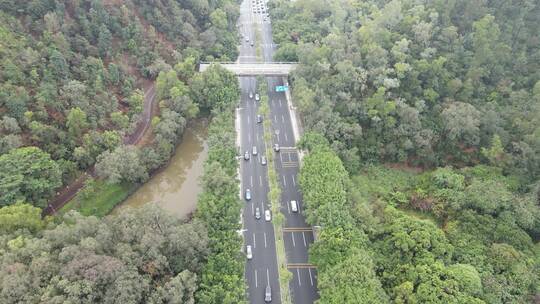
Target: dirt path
[69, 191]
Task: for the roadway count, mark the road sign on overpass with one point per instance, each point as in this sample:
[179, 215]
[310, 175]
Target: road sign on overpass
[254, 69]
[282, 88]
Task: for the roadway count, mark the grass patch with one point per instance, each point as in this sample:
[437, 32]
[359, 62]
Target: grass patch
[101, 201]
[379, 181]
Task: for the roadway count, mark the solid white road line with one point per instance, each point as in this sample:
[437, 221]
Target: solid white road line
[310, 278]
[282, 119]
[288, 207]
[286, 139]
[265, 240]
[254, 241]
[248, 119]
[267, 277]
[275, 118]
[256, 282]
[298, 274]
[252, 212]
[260, 180]
[281, 158]
[249, 137]
[251, 181]
[284, 181]
[256, 138]
[293, 241]
[304, 237]
[293, 181]
[280, 102]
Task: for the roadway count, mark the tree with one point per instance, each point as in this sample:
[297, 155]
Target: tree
[352, 280]
[122, 164]
[461, 122]
[20, 216]
[323, 181]
[135, 101]
[28, 174]
[76, 122]
[215, 89]
[104, 41]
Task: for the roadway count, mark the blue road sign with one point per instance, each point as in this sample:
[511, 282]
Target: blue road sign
[282, 88]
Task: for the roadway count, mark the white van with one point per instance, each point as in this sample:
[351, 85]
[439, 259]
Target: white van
[254, 150]
[294, 206]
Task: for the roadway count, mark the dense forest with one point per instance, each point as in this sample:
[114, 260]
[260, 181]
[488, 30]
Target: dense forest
[73, 81]
[422, 122]
[142, 256]
[77, 78]
[146, 255]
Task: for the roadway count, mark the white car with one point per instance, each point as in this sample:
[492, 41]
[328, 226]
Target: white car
[248, 195]
[294, 206]
[250, 95]
[254, 151]
[267, 215]
[249, 253]
[257, 97]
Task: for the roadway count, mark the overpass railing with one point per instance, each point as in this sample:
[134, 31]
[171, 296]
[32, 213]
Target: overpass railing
[233, 62]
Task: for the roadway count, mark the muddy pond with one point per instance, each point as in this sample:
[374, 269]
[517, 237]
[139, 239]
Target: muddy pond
[175, 187]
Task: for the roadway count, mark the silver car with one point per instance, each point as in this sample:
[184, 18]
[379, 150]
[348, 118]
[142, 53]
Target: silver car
[268, 294]
[248, 195]
[257, 213]
[263, 160]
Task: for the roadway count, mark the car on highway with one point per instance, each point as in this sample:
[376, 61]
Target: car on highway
[249, 253]
[294, 206]
[276, 147]
[263, 160]
[250, 95]
[257, 97]
[247, 39]
[268, 294]
[248, 195]
[259, 118]
[246, 155]
[254, 151]
[267, 215]
[251, 44]
[257, 213]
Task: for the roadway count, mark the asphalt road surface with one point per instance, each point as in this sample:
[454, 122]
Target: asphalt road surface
[262, 269]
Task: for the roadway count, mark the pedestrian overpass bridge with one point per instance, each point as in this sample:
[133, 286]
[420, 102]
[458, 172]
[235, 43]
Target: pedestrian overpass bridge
[254, 69]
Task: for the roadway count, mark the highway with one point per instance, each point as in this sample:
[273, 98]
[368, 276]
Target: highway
[261, 270]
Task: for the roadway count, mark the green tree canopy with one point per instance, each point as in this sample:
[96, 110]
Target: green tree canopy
[28, 174]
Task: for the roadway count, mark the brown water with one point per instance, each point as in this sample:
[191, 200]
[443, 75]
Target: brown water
[175, 188]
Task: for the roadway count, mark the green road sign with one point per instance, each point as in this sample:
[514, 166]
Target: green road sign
[281, 88]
